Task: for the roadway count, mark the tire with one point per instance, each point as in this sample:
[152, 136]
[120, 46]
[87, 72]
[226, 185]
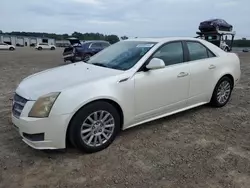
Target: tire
[216, 101]
[52, 48]
[11, 49]
[40, 48]
[91, 140]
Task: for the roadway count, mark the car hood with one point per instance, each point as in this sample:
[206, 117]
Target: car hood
[60, 78]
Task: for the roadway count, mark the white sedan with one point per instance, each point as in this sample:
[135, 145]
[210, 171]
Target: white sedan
[42, 46]
[129, 83]
[4, 46]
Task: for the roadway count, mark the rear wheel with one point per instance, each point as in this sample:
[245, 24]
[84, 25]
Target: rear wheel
[94, 127]
[11, 48]
[40, 48]
[222, 92]
[52, 48]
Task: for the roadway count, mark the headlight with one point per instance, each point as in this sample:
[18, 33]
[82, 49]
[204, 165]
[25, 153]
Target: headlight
[43, 105]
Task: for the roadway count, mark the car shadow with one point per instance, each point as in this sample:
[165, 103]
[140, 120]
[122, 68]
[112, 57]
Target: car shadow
[164, 119]
[71, 151]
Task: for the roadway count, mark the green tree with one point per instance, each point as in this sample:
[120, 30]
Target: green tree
[112, 38]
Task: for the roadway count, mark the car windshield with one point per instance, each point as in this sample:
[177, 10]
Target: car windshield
[122, 55]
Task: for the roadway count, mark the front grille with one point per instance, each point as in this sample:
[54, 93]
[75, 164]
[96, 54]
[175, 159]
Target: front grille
[18, 105]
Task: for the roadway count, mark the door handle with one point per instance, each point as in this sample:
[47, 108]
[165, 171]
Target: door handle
[212, 67]
[182, 74]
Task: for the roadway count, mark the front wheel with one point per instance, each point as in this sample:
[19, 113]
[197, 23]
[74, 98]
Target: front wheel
[11, 49]
[40, 48]
[94, 127]
[222, 92]
[52, 48]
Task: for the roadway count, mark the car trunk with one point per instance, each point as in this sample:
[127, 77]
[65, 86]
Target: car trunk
[74, 42]
[68, 50]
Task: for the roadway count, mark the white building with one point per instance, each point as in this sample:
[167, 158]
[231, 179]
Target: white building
[24, 41]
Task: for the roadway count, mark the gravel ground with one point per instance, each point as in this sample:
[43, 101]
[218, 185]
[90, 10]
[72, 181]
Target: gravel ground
[203, 147]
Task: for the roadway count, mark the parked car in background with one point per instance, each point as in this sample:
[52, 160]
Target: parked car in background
[19, 45]
[44, 46]
[245, 50]
[4, 46]
[83, 51]
[215, 25]
[131, 82]
[32, 45]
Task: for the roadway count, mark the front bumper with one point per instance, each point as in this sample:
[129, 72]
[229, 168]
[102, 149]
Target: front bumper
[52, 129]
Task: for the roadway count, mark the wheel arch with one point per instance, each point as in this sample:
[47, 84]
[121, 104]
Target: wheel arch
[229, 76]
[110, 101]
[223, 75]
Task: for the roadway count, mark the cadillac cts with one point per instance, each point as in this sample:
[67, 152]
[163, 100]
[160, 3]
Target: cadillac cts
[127, 84]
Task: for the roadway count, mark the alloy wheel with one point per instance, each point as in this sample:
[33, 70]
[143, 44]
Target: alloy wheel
[223, 92]
[97, 128]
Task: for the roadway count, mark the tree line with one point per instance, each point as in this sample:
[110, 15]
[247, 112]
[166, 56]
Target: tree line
[97, 36]
[241, 43]
[81, 36]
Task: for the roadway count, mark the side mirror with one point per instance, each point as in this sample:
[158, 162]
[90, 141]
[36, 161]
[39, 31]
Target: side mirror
[155, 63]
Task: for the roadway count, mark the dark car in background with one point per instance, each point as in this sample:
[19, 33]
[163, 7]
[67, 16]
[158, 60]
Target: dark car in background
[215, 25]
[78, 51]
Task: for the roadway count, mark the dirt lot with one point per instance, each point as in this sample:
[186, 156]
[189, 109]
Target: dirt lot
[199, 148]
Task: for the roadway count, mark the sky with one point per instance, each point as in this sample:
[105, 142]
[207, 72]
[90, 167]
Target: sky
[133, 18]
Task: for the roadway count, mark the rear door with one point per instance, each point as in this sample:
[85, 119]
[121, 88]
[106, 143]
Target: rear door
[46, 46]
[202, 72]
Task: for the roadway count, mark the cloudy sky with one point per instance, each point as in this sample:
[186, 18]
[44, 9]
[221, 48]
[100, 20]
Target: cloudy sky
[142, 18]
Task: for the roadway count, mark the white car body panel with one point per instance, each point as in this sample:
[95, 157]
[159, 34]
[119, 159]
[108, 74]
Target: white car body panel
[47, 46]
[152, 103]
[6, 46]
[142, 96]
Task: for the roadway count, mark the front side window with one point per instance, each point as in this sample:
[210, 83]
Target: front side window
[122, 55]
[171, 53]
[198, 51]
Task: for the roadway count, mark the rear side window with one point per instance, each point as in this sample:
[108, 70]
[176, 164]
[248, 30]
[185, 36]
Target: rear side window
[198, 51]
[210, 54]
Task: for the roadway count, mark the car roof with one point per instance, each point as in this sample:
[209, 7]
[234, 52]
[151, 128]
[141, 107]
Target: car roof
[164, 39]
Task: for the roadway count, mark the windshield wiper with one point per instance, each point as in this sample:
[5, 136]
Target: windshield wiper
[99, 64]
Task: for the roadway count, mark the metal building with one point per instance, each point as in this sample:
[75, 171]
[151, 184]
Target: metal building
[24, 41]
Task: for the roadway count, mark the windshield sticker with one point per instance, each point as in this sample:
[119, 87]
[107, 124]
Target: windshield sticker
[145, 45]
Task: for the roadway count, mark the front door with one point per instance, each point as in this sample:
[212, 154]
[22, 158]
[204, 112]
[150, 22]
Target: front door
[162, 91]
[3, 46]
